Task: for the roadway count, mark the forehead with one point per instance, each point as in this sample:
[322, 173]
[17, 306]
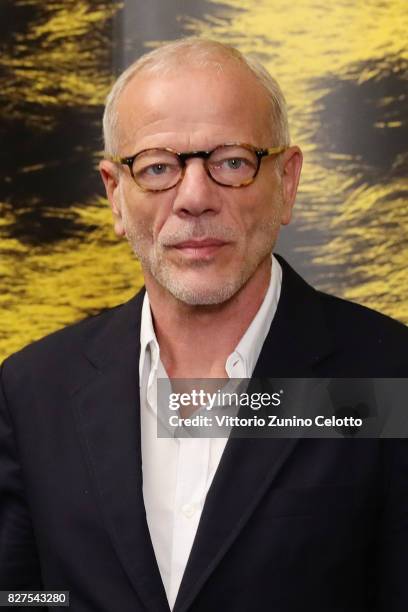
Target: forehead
[193, 108]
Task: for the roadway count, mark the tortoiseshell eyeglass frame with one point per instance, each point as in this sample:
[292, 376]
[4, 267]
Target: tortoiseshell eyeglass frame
[205, 155]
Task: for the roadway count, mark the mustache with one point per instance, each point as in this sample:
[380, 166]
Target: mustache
[197, 231]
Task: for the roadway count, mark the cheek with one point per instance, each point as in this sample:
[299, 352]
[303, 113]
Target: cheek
[146, 212]
[156, 211]
[158, 221]
[259, 213]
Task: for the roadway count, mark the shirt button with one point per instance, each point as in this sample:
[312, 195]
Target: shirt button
[188, 510]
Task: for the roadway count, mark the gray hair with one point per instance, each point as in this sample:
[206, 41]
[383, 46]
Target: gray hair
[200, 53]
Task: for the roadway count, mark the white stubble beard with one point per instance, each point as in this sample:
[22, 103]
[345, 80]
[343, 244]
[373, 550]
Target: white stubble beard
[154, 259]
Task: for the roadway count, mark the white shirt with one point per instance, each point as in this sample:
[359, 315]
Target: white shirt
[177, 472]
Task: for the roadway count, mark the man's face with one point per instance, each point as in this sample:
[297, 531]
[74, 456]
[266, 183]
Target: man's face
[200, 241]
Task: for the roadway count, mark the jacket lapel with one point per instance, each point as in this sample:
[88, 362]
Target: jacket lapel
[297, 342]
[107, 408]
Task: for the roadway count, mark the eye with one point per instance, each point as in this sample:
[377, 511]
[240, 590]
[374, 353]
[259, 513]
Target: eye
[156, 169]
[234, 163]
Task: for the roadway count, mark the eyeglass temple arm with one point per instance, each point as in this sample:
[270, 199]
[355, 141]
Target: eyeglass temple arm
[273, 150]
[119, 160]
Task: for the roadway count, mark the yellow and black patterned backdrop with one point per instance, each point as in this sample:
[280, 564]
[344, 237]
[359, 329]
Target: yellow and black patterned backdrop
[343, 68]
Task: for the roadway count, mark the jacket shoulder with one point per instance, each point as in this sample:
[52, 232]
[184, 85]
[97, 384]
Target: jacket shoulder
[70, 337]
[345, 338]
[342, 314]
[367, 336]
[59, 351]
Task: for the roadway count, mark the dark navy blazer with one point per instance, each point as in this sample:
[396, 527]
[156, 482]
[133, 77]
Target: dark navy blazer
[288, 524]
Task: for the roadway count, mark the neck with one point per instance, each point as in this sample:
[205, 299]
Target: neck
[195, 341]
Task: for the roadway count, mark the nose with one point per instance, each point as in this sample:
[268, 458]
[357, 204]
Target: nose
[196, 194]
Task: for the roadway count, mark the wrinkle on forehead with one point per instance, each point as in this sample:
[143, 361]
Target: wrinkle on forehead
[198, 109]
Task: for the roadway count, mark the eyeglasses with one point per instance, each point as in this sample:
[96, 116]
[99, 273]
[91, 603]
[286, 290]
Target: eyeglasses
[230, 165]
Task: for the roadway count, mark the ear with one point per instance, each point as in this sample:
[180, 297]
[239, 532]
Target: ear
[291, 162]
[110, 176]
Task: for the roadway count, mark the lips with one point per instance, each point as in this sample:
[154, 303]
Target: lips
[200, 244]
[200, 249]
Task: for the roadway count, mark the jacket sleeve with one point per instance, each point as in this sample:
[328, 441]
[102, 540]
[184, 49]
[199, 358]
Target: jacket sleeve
[19, 561]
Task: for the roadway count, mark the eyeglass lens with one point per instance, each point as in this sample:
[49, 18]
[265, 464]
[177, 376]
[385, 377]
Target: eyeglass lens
[230, 165]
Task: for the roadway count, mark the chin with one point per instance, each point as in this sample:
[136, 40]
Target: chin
[204, 285]
[195, 294]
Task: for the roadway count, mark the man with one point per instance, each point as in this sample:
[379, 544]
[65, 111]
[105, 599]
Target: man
[200, 176]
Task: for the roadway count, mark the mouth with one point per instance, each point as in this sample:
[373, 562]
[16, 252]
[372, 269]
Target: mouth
[200, 248]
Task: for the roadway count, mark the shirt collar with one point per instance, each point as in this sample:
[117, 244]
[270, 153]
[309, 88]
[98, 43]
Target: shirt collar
[149, 347]
[241, 363]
